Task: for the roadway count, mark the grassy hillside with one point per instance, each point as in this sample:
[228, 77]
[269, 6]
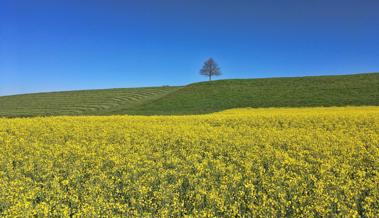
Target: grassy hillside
[205, 97]
[90, 102]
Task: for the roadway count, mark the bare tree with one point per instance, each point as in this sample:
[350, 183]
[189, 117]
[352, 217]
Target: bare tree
[210, 69]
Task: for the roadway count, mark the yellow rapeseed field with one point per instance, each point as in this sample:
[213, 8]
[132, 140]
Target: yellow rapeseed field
[310, 162]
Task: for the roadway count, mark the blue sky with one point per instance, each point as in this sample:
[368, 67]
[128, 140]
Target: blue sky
[87, 44]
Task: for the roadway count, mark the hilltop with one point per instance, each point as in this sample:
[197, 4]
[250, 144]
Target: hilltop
[203, 97]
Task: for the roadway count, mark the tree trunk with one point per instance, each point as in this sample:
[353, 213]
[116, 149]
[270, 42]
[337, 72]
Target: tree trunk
[210, 77]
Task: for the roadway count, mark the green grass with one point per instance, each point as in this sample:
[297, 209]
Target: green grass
[88, 102]
[204, 97]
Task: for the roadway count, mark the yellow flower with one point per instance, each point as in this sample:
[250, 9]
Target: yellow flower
[275, 162]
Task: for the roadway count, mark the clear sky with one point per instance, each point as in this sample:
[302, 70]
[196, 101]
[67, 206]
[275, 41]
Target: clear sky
[85, 44]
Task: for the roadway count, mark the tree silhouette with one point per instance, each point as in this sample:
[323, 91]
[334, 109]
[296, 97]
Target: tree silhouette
[210, 69]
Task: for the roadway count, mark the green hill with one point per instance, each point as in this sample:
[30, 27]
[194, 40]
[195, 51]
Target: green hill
[204, 97]
[88, 102]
